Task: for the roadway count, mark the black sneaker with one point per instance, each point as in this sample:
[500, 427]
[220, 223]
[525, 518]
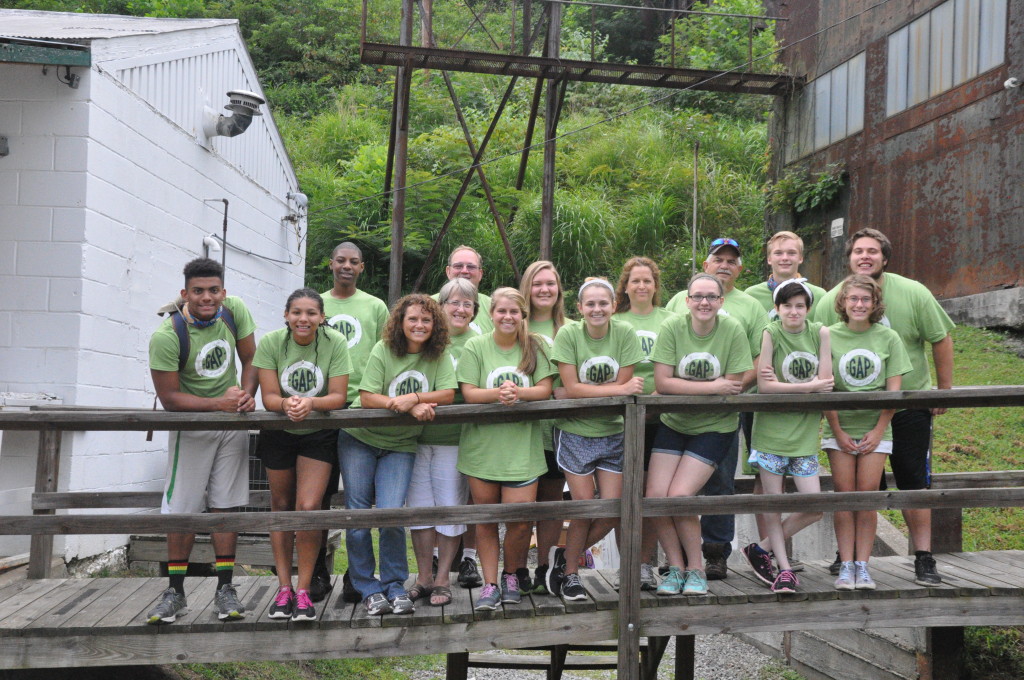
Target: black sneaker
[761, 563]
[302, 607]
[469, 575]
[572, 587]
[539, 580]
[348, 591]
[834, 567]
[284, 604]
[321, 584]
[525, 582]
[556, 570]
[924, 570]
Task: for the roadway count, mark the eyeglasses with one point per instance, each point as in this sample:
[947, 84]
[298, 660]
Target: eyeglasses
[460, 266]
[860, 300]
[725, 242]
[459, 304]
[700, 298]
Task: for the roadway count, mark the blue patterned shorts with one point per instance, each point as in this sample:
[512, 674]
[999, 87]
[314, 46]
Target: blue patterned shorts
[796, 466]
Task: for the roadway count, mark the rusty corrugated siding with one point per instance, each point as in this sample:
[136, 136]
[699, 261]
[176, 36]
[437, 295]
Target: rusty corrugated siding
[944, 179]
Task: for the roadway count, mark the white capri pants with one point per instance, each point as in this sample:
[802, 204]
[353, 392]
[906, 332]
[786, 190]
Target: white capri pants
[435, 483]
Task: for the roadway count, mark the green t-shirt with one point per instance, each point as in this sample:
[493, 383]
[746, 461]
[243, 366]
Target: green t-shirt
[723, 351]
[481, 323]
[910, 310]
[360, 318]
[795, 360]
[507, 452]
[304, 370]
[597, 362]
[861, 362]
[210, 370]
[738, 305]
[761, 293]
[546, 330]
[646, 327]
[448, 435]
[394, 376]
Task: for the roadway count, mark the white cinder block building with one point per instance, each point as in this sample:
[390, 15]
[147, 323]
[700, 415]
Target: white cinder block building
[108, 186]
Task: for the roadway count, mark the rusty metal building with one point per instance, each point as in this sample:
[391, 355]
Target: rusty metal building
[920, 103]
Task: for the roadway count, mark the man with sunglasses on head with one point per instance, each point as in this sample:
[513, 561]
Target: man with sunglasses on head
[466, 263]
[725, 263]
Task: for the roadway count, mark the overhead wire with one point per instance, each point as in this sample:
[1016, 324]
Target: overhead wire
[608, 119]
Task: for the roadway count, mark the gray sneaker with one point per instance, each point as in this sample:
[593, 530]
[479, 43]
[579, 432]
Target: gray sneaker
[172, 603]
[647, 579]
[510, 593]
[228, 606]
[402, 605]
[489, 598]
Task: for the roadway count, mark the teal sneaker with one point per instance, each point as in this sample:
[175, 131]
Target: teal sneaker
[696, 583]
[673, 582]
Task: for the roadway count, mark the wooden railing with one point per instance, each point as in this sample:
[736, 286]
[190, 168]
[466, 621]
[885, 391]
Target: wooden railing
[999, 489]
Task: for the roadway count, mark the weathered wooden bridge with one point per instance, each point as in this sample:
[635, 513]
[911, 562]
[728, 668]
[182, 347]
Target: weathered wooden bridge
[98, 622]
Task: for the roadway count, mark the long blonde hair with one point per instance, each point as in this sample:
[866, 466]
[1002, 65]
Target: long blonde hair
[558, 311]
[529, 343]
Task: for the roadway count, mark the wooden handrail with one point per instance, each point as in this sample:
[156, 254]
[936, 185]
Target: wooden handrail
[1002, 490]
[77, 418]
[511, 512]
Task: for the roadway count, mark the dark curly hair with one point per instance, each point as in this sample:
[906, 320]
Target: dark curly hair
[201, 268]
[394, 336]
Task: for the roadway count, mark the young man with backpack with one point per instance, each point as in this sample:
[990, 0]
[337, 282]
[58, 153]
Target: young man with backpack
[192, 361]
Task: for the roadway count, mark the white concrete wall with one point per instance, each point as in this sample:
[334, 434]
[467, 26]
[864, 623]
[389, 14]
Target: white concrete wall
[42, 203]
[101, 205]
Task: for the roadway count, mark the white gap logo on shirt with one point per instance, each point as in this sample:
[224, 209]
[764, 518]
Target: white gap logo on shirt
[348, 326]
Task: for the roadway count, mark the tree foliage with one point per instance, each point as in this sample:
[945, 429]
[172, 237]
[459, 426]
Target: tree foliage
[624, 185]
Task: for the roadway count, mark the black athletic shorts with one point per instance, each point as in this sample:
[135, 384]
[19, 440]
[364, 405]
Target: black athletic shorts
[279, 449]
[911, 457]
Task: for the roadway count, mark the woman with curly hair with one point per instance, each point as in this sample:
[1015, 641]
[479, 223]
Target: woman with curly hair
[503, 460]
[409, 371]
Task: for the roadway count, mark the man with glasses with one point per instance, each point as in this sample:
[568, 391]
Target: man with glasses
[466, 263]
[912, 311]
[360, 317]
[725, 263]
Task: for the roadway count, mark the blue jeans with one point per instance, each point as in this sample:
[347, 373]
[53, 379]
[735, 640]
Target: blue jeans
[721, 528]
[374, 476]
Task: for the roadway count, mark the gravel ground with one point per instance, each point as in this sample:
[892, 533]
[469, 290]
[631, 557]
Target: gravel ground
[719, 657]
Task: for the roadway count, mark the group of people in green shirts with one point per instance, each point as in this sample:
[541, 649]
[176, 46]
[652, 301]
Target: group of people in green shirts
[346, 349]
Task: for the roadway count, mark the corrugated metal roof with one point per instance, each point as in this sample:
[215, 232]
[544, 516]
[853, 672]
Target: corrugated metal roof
[79, 26]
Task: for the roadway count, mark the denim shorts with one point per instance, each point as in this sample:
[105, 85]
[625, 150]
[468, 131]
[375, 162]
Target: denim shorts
[795, 466]
[710, 448]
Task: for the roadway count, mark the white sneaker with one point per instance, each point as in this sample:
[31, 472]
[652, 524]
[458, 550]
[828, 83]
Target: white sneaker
[845, 580]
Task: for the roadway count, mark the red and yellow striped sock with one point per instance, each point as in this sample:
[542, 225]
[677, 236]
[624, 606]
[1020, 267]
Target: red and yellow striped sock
[176, 571]
[225, 569]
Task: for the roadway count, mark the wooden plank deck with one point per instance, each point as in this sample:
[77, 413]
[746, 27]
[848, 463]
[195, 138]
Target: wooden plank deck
[91, 622]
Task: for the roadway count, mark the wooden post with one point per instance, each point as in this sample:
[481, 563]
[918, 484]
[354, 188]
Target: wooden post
[630, 528]
[47, 471]
[403, 82]
[944, 647]
[686, 666]
[547, 210]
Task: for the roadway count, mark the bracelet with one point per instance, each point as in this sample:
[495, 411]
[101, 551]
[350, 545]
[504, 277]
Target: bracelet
[417, 397]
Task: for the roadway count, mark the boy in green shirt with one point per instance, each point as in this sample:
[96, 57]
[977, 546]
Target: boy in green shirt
[205, 469]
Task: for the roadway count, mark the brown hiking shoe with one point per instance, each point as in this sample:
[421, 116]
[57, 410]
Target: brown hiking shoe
[715, 561]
